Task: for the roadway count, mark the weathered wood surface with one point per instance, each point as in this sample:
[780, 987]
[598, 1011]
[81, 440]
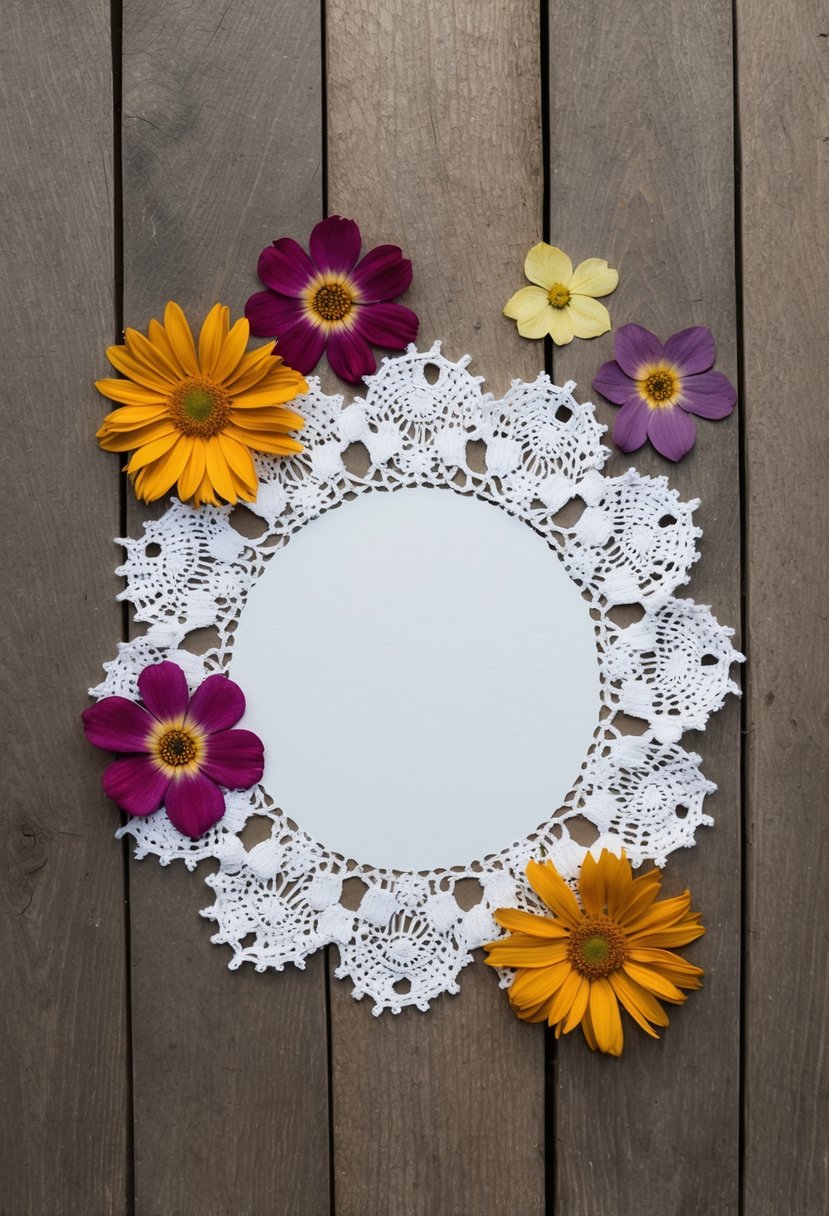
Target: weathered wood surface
[642, 174]
[64, 1113]
[784, 74]
[222, 153]
[279, 1094]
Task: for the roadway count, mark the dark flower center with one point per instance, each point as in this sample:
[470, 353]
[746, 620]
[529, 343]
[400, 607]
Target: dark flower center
[660, 386]
[332, 302]
[597, 946]
[177, 747]
[199, 407]
[558, 295]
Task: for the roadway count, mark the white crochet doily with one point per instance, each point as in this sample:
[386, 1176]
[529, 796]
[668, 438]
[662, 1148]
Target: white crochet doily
[633, 544]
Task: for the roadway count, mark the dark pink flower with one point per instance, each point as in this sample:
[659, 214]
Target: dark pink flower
[180, 748]
[659, 387]
[332, 301]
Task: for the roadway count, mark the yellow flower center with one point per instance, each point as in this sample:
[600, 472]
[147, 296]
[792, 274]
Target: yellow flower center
[199, 407]
[332, 302]
[559, 295]
[597, 947]
[176, 748]
[659, 388]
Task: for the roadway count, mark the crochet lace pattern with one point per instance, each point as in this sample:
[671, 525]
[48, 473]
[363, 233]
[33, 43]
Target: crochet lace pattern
[633, 543]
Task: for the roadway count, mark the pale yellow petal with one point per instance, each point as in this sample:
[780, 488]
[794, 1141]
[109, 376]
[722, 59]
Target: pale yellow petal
[546, 265]
[588, 317]
[525, 304]
[561, 327]
[594, 278]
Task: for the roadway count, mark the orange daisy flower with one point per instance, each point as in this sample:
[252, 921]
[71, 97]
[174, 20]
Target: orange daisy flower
[192, 418]
[577, 966]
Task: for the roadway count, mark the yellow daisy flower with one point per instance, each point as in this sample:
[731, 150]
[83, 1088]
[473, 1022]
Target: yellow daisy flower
[563, 303]
[575, 967]
[193, 417]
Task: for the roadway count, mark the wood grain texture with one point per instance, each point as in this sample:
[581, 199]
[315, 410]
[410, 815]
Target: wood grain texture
[641, 174]
[783, 67]
[434, 143]
[222, 154]
[63, 1073]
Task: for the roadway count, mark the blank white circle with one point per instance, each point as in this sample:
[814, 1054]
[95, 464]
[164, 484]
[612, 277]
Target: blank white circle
[424, 676]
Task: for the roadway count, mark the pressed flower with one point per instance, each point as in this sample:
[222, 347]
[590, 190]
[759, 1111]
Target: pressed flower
[659, 387]
[333, 300]
[615, 947]
[563, 301]
[192, 417]
[180, 748]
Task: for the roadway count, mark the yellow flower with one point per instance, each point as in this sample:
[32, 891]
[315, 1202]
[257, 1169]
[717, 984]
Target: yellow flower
[563, 303]
[193, 417]
[576, 967]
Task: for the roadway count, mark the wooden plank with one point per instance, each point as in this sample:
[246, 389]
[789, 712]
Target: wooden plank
[437, 147]
[641, 174]
[221, 155]
[63, 1118]
[783, 67]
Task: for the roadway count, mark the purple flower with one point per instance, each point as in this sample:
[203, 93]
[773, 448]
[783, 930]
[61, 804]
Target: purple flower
[180, 748]
[332, 299]
[659, 387]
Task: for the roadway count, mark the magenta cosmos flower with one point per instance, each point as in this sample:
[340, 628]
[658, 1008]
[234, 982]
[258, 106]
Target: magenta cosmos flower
[659, 387]
[181, 747]
[332, 301]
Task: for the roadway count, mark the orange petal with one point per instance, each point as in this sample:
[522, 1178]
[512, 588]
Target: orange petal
[193, 472]
[564, 998]
[663, 913]
[592, 886]
[531, 986]
[152, 452]
[211, 338]
[128, 417]
[264, 418]
[181, 338]
[529, 922]
[655, 983]
[546, 881]
[540, 954]
[578, 1008]
[128, 441]
[217, 470]
[156, 345]
[637, 1001]
[264, 441]
[677, 935]
[128, 393]
[233, 348]
[163, 474]
[604, 1015]
[128, 365]
[253, 367]
[240, 462]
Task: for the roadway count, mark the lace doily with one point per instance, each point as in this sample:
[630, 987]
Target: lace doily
[634, 542]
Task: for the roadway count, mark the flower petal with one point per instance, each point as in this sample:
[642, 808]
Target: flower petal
[136, 784]
[653, 982]
[589, 318]
[270, 314]
[561, 326]
[217, 704]
[117, 724]
[529, 307]
[234, 758]
[635, 348]
[592, 886]
[233, 350]
[540, 954]
[566, 995]
[285, 267]
[637, 1001]
[546, 881]
[691, 350]
[193, 472]
[594, 277]
[194, 803]
[578, 1008]
[630, 426]
[545, 264]
[213, 333]
[163, 689]
[350, 355]
[181, 338]
[613, 383]
[240, 463]
[533, 985]
[127, 393]
[391, 326]
[218, 471]
[605, 1017]
[335, 244]
[528, 922]
[709, 395]
[383, 274]
[302, 345]
[165, 471]
[672, 432]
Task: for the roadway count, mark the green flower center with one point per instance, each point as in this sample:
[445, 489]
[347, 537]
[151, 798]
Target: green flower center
[659, 387]
[199, 407]
[176, 748]
[332, 302]
[597, 946]
[559, 295]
